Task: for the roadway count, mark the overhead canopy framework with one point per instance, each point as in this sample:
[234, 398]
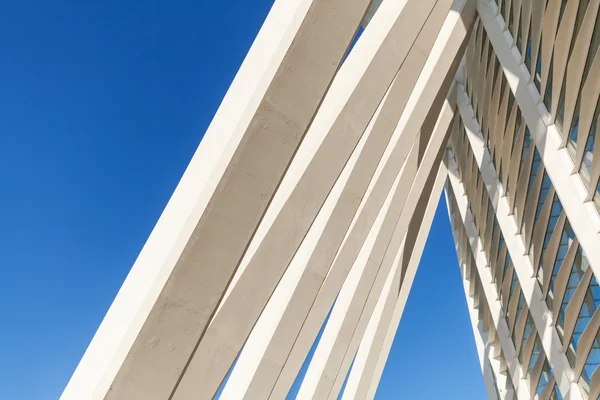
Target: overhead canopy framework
[308, 203]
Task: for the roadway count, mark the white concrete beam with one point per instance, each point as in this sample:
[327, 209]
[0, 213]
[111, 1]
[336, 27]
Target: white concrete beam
[489, 365]
[356, 320]
[318, 379]
[514, 242]
[378, 348]
[332, 235]
[514, 367]
[153, 326]
[582, 215]
[443, 57]
[257, 363]
[370, 343]
[356, 92]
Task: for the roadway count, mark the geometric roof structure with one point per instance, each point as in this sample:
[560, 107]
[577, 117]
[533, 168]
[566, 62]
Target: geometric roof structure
[306, 207]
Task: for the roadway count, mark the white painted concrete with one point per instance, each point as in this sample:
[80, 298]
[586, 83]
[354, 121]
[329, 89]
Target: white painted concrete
[443, 56]
[380, 348]
[370, 347]
[341, 121]
[264, 331]
[252, 254]
[510, 354]
[127, 360]
[344, 300]
[151, 270]
[373, 40]
[489, 365]
[582, 215]
[378, 260]
[533, 295]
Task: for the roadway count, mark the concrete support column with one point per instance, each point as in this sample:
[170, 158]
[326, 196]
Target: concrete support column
[370, 345]
[443, 59]
[317, 249]
[325, 361]
[405, 230]
[257, 364]
[150, 332]
[334, 351]
[582, 215]
[381, 344]
[316, 183]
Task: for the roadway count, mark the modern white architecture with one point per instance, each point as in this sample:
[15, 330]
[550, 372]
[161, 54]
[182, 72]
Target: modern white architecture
[308, 203]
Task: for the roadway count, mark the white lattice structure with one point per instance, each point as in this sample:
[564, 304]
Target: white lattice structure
[308, 203]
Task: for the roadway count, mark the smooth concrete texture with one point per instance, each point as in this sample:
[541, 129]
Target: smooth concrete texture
[398, 95]
[442, 59]
[157, 259]
[387, 245]
[159, 358]
[264, 336]
[313, 385]
[381, 343]
[314, 189]
[357, 90]
[336, 277]
[341, 216]
[146, 361]
[377, 320]
[384, 304]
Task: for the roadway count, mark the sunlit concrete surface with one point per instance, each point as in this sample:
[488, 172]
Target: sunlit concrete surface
[310, 198]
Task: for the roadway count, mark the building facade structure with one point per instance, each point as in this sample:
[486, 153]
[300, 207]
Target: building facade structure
[305, 210]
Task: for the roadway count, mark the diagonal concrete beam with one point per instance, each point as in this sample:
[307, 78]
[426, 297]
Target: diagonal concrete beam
[518, 377]
[255, 365]
[163, 308]
[317, 381]
[357, 91]
[407, 225]
[443, 58]
[490, 365]
[538, 308]
[318, 257]
[379, 324]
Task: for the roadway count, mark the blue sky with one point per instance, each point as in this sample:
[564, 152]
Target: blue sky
[102, 104]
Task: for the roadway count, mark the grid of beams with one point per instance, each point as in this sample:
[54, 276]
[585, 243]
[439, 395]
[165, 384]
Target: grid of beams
[309, 200]
[509, 184]
[559, 42]
[316, 193]
[493, 363]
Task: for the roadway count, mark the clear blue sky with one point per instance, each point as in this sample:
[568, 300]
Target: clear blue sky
[102, 104]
